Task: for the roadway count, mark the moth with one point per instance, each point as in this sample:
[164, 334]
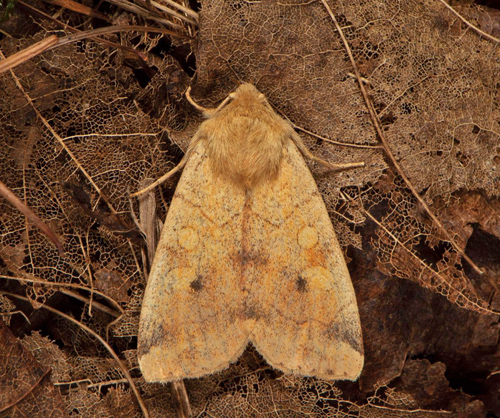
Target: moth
[248, 254]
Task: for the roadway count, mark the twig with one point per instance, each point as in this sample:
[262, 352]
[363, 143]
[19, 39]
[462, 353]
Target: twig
[53, 41]
[183, 9]
[26, 54]
[101, 340]
[470, 25]
[10, 313]
[140, 56]
[34, 11]
[133, 8]
[89, 301]
[31, 216]
[79, 8]
[70, 285]
[108, 383]
[113, 29]
[181, 396]
[174, 13]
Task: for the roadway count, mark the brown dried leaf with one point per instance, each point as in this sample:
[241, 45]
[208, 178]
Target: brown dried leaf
[25, 388]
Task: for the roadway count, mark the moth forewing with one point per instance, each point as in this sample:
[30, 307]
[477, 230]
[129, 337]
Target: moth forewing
[192, 319]
[308, 321]
[248, 253]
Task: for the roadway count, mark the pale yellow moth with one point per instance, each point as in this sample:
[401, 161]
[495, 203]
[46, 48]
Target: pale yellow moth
[248, 254]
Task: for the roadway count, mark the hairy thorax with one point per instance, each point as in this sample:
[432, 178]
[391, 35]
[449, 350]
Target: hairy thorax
[244, 140]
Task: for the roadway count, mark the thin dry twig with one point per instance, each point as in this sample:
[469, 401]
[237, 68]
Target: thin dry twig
[31, 216]
[470, 25]
[133, 8]
[102, 341]
[112, 29]
[183, 9]
[181, 396]
[173, 13]
[10, 313]
[79, 8]
[140, 56]
[27, 53]
[90, 301]
[34, 11]
[88, 383]
[68, 285]
[53, 41]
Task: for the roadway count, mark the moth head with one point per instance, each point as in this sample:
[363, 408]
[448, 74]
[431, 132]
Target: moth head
[247, 94]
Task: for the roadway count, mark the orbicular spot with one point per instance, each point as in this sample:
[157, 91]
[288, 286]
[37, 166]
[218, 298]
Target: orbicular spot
[197, 285]
[308, 237]
[301, 284]
[188, 238]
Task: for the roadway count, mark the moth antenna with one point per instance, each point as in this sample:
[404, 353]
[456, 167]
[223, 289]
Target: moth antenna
[174, 170]
[194, 104]
[207, 112]
[308, 154]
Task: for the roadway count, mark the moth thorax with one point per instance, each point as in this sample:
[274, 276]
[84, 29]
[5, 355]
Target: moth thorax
[247, 154]
[247, 167]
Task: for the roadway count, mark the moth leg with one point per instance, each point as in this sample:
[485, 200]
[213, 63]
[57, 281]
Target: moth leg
[308, 154]
[174, 170]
